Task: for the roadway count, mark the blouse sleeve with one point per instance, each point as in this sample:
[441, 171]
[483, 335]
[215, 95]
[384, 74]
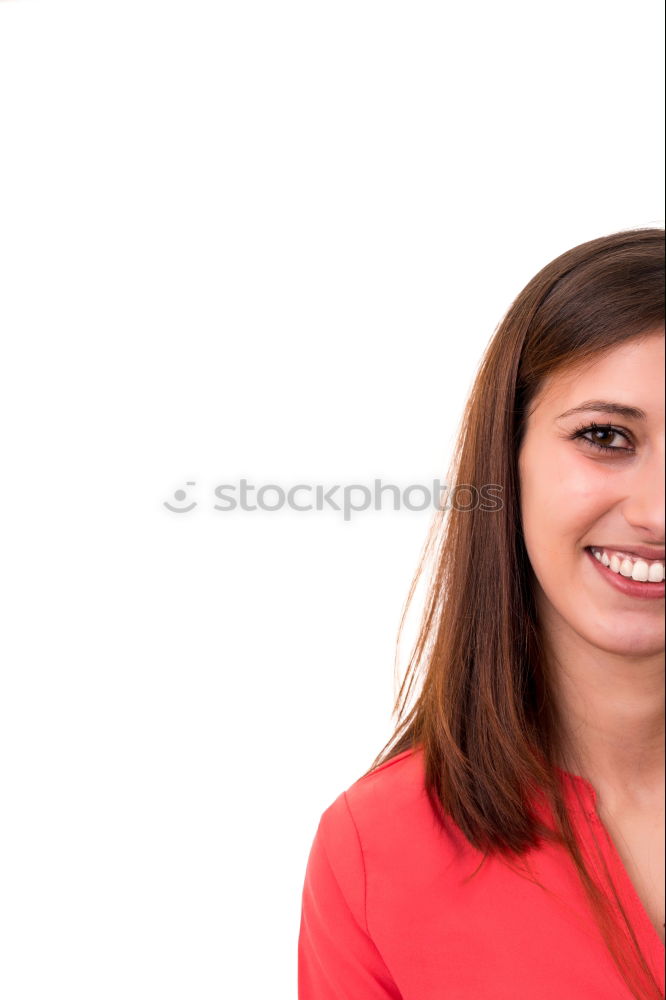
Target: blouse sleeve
[337, 958]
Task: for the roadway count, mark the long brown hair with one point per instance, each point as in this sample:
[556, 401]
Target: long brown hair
[484, 716]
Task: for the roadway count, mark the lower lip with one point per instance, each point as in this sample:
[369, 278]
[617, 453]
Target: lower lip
[632, 588]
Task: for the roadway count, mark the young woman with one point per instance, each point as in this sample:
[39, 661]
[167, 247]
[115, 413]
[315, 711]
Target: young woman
[508, 842]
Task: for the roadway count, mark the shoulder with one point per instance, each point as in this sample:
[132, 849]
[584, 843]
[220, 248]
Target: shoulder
[365, 827]
[389, 791]
[391, 787]
[382, 846]
[385, 810]
[346, 891]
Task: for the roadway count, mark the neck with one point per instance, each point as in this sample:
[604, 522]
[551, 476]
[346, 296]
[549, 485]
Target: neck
[611, 710]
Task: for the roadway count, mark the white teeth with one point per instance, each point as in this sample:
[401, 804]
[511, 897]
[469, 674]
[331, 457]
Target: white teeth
[639, 569]
[626, 567]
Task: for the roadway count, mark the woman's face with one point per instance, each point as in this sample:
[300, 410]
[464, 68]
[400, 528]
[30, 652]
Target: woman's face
[575, 496]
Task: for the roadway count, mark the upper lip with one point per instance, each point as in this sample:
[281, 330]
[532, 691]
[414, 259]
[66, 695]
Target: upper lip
[636, 550]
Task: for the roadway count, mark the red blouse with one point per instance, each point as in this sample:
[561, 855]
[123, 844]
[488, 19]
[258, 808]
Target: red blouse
[386, 912]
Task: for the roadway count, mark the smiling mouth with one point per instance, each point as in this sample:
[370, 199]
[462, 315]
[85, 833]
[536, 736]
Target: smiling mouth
[629, 566]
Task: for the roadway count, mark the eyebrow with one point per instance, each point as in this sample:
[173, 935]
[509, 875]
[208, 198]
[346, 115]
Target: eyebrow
[603, 405]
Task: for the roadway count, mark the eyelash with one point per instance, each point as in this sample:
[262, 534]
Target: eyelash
[585, 429]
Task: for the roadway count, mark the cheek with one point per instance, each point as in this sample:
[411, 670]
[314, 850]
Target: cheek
[563, 496]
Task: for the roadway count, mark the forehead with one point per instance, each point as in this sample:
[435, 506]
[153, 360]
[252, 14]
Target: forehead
[631, 373]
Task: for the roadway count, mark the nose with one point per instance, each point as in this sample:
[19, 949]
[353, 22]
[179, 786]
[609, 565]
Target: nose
[644, 505]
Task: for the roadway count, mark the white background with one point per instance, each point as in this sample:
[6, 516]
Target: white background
[260, 240]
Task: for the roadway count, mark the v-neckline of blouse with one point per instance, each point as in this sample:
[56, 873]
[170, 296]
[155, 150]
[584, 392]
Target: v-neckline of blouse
[587, 800]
